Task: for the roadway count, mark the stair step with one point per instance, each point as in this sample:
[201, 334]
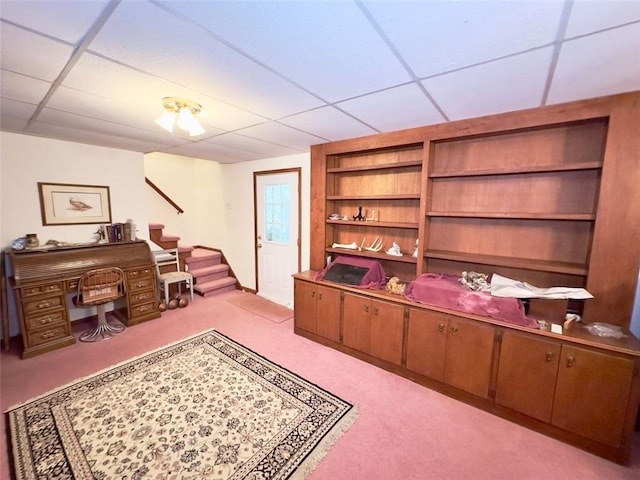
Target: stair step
[201, 258]
[169, 238]
[215, 287]
[156, 226]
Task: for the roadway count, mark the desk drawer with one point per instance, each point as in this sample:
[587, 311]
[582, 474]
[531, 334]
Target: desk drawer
[48, 335]
[143, 309]
[49, 320]
[26, 292]
[42, 304]
[144, 283]
[142, 297]
[140, 272]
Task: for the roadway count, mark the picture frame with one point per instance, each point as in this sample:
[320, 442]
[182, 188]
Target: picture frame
[71, 204]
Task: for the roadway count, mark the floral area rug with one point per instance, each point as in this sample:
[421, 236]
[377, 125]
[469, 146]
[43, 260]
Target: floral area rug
[203, 408]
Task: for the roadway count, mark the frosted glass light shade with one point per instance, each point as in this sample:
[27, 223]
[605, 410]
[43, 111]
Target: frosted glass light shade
[166, 121]
[187, 121]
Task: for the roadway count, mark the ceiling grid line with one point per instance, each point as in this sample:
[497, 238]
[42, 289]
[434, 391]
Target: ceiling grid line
[557, 46]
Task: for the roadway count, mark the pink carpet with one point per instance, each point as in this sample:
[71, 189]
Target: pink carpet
[404, 431]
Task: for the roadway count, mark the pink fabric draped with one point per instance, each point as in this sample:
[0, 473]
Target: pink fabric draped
[445, 291]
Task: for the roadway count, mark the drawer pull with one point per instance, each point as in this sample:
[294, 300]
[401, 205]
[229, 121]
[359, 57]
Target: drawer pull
[144, 308]
[313, 294]
[48, 334]
[366, 308]
[549, 356]
[45, 304]
[454, 330]
[570, 361]
[375, 310]
[441, 327]
[47, 319]
[141, 284]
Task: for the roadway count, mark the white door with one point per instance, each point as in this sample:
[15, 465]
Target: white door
[277, 232]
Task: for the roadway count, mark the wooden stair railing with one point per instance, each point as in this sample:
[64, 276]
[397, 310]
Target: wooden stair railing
[164, 195]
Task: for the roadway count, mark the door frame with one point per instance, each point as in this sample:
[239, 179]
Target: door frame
[260, 173]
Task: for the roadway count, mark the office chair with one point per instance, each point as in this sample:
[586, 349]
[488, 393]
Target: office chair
[165, 280]
[97, 288]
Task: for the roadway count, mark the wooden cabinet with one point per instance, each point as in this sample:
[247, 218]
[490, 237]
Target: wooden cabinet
[545, 196]
[527, 374]
[450, 349]
[580, 390]
[592, 394]
[374, 327]
[317, 309]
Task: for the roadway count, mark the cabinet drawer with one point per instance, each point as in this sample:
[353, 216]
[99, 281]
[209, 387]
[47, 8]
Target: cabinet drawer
[41, 304]
[143, 309]
[142, 283]
[49, 320]
[140, 272]
[48, 335]
[26, 292]
[142, 296]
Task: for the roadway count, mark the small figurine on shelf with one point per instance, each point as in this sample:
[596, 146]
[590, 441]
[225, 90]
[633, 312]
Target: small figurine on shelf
[415, 250]
[359, 217]
[394, 250]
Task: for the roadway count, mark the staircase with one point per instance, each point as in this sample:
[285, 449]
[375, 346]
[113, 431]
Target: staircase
[211, 275]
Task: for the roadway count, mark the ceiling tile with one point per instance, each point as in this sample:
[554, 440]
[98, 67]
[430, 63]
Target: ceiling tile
[15, 115]
[510, 84]
[251, 145]
[588, 16]
[438, 36]
[282, 135]
[63, 19]
[329, 48]
[394, 109]
[208, 151]
[22, 88]
[328, 123]
[597, 65]
[37, 56]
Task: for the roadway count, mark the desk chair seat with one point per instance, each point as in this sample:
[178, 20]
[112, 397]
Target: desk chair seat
[175, 276]
[97, 288]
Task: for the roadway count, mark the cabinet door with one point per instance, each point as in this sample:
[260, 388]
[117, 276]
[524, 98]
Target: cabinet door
[469, 355]
[387, 331]
[427, 343]
[328, 313]
[592, 393]
[356, 322]
[304, 298]
[527, 374]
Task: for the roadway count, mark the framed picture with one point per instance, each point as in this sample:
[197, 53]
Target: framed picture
[67, 204]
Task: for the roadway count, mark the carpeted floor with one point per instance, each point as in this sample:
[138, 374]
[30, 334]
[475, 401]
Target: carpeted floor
[205, 407]
[261, 306]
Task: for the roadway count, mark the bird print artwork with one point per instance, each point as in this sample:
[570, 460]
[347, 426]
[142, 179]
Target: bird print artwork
[79, 205]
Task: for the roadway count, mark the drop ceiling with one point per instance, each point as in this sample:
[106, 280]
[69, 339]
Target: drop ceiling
[274, 77]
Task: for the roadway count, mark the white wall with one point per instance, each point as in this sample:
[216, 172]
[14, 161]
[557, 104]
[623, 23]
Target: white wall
[26, 160]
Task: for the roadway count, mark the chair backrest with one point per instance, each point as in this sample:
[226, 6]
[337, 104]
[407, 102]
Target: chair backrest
[101, 285]
[167, 257]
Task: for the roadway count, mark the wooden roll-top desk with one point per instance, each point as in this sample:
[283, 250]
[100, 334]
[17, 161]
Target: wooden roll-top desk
[42, 278]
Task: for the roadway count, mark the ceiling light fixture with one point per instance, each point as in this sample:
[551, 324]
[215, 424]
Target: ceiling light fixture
[184, 111]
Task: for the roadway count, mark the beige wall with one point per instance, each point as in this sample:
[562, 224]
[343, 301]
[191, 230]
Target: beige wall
[218, 203]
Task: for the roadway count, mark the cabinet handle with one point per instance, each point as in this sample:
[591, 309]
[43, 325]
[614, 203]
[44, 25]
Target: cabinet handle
[48, 334]
[375, 310]
[366, 308]
[320, 296]
[549, 356]
[441, 327]
[454, 330]
[45, 304]
[47, 319]
[313, 294]
[570, 361]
